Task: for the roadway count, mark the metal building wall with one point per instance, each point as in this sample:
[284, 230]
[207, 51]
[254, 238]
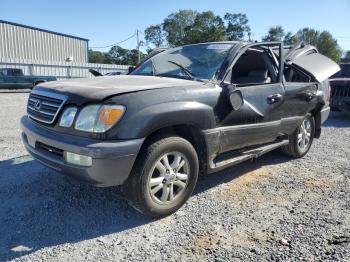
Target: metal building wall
[61, 70]
[22, 42]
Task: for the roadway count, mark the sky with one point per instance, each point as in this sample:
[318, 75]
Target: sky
[106, 22]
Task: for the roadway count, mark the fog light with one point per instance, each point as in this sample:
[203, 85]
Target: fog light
[76, 159]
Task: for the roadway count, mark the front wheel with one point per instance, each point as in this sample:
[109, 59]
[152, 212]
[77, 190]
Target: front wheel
[164, 177]
[301, 140]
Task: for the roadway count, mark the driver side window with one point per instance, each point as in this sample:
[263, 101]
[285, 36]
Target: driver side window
[254, 67]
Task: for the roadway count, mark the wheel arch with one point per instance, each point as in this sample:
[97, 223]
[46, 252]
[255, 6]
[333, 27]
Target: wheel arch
[316, 113]
[191, 133]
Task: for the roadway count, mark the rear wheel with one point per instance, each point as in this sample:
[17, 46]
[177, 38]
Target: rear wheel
[301, 140]
[164, 177]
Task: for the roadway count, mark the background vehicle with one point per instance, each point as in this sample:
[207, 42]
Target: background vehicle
[97, 73]
[14, 78]
[184, 111]
[340, 89]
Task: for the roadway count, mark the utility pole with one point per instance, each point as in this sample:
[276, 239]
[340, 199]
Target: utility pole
[138, 46]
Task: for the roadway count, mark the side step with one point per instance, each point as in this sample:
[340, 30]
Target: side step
[246, 155]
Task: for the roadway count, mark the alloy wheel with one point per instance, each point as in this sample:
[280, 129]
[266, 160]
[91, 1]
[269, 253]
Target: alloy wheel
[304, 134]
[169, 178]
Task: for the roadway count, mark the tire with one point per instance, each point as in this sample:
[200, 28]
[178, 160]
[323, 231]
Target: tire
[149, 186]
[295, 147]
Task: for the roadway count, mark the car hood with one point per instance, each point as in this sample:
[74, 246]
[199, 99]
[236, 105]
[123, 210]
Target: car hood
[102, 87]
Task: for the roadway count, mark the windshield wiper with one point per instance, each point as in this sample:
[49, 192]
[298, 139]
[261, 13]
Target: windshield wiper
[184, 69]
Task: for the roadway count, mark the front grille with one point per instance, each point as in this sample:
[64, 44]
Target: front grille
[44, 106]
[340, 88]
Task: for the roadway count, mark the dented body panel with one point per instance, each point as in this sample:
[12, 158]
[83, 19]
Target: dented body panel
[272, 105]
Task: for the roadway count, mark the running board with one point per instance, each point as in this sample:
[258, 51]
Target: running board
[246, 155]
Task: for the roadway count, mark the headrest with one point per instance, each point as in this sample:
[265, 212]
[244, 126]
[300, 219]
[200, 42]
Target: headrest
[258, 73]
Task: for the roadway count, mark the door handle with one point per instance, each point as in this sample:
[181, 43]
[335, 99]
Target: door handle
[309, 96]
[274, 98]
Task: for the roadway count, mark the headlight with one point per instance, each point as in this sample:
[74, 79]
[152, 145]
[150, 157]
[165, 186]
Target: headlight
[98, 118]
[67, 117]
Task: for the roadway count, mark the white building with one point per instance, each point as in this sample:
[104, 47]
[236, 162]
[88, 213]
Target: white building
[25, 42]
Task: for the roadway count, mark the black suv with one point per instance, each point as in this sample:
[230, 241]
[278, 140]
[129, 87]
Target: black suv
[184, 111]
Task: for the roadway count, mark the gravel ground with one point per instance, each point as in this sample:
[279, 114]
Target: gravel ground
[275, 209]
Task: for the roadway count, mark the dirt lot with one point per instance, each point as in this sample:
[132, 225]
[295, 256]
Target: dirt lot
[275, 209]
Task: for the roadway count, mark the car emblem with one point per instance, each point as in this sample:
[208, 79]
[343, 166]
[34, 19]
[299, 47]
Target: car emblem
[37, 105]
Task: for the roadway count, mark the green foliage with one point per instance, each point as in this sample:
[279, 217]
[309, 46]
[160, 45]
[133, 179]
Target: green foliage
[275, 34]
[98, 57]
[189, 27]
[155, 35]
[207, 27]
[237, 26]
[328, 46]
[308, 36]
[176, 25]
[324, 41]
[290, 39]
[116, 55]
[124, 56]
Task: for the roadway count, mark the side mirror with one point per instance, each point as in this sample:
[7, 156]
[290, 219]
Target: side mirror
[236, 99]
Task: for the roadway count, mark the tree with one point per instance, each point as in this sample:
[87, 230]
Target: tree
[308, 35]
[275, 34]
[324, 42]
[290, 39]
[131, 57]
[207, 27]
[346, 57]
[237, 26]
[118, 55]
[155, 35]
[122, 56]
[328, 46]
[98, 57]
[177, 24]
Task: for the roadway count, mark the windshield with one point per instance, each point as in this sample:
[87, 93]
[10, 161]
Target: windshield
[188, 62]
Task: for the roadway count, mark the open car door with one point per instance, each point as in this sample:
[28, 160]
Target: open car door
[308, 59]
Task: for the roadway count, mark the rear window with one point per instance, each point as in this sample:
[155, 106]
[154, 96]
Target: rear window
[16, 72]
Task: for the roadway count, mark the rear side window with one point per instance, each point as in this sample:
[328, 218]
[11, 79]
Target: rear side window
[292, 74]
[16, 72]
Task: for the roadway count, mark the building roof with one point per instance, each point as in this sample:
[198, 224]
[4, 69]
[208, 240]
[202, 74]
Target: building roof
[43, 30]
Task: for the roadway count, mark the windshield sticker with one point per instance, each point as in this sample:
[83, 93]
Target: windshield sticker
[219, 46]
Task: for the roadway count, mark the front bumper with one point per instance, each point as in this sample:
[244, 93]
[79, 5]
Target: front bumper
[112, 161]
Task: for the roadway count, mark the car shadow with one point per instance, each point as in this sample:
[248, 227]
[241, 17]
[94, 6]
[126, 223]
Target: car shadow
[40, 208]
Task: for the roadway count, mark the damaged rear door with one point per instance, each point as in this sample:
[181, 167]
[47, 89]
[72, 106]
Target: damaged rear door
[305, 68]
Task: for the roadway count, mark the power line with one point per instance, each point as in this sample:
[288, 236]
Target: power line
[96, 47]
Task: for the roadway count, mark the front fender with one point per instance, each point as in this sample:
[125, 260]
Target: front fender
[144, 122]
